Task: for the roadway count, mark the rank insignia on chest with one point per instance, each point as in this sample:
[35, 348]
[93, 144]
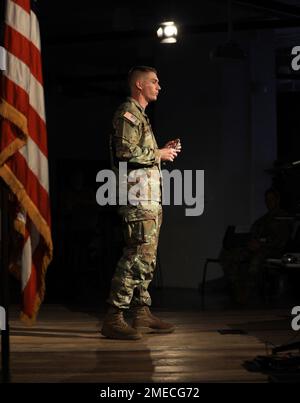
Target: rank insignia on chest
[129, 116]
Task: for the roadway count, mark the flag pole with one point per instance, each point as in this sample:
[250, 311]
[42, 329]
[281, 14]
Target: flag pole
[4, 291]
[4, 243]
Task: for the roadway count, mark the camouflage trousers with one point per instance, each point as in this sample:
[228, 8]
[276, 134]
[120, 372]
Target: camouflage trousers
[135, 269]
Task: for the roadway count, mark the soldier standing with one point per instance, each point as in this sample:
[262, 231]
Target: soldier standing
[133, 143]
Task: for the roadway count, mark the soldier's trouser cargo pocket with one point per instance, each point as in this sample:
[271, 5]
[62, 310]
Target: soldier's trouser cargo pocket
[137, 231]
[135, 269]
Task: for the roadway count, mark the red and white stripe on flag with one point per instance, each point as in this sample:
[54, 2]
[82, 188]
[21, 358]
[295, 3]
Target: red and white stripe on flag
[23, 150]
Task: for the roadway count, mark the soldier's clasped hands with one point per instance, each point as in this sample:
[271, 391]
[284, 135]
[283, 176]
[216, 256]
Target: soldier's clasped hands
[170, 151]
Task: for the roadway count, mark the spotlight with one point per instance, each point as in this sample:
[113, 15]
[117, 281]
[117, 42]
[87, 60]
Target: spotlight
[167, 32]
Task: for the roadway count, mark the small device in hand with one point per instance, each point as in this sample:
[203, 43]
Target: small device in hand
[175, 144]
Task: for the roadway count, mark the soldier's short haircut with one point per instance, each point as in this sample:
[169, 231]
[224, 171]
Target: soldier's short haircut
[136, 70]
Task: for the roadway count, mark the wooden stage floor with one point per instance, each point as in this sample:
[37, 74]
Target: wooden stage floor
[65, 346]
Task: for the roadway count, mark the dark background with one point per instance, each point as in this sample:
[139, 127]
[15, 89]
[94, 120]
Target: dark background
[238, 121]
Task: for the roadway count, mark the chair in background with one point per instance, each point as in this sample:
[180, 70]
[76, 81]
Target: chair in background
[231, 239]
[204, 273]
[282, 267]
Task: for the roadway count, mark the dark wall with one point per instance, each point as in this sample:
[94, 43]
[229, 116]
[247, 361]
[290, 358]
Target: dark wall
[227, 124]
[224, 113]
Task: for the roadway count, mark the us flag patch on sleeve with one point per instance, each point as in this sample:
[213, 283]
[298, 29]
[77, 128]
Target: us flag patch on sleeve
[129, 116]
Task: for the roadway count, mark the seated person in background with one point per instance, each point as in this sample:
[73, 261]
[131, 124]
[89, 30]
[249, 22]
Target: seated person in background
[268, 238]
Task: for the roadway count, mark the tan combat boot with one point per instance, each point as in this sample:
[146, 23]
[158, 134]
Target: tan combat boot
[115, 327]
[145, 322]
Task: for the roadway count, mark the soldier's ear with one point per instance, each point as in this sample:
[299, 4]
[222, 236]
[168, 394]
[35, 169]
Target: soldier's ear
[138, 84]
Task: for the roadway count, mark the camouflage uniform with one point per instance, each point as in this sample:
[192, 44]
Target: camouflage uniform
[133, 142]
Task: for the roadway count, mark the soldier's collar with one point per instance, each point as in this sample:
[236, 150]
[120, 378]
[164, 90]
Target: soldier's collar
[137, 104]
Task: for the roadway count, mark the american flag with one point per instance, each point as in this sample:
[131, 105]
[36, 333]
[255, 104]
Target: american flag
[23, 151]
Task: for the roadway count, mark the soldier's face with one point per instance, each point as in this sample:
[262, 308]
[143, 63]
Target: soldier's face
[150, 87]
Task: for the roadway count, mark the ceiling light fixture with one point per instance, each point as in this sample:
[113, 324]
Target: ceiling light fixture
[167, 32]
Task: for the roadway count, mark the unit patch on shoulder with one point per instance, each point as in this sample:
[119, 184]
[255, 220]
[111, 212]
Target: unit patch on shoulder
[129, 116]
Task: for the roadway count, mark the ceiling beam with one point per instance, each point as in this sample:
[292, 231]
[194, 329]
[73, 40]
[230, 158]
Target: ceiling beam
[275, 7]
[248, 25]
[188, 29]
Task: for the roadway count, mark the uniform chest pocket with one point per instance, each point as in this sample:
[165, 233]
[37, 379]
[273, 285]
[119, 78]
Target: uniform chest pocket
[147, 140]
[146, 130]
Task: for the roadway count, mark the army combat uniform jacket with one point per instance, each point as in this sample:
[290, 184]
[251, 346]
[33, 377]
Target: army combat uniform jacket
[133, 142]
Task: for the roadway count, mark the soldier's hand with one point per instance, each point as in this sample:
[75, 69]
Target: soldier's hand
[174, 144]
[168, 154]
